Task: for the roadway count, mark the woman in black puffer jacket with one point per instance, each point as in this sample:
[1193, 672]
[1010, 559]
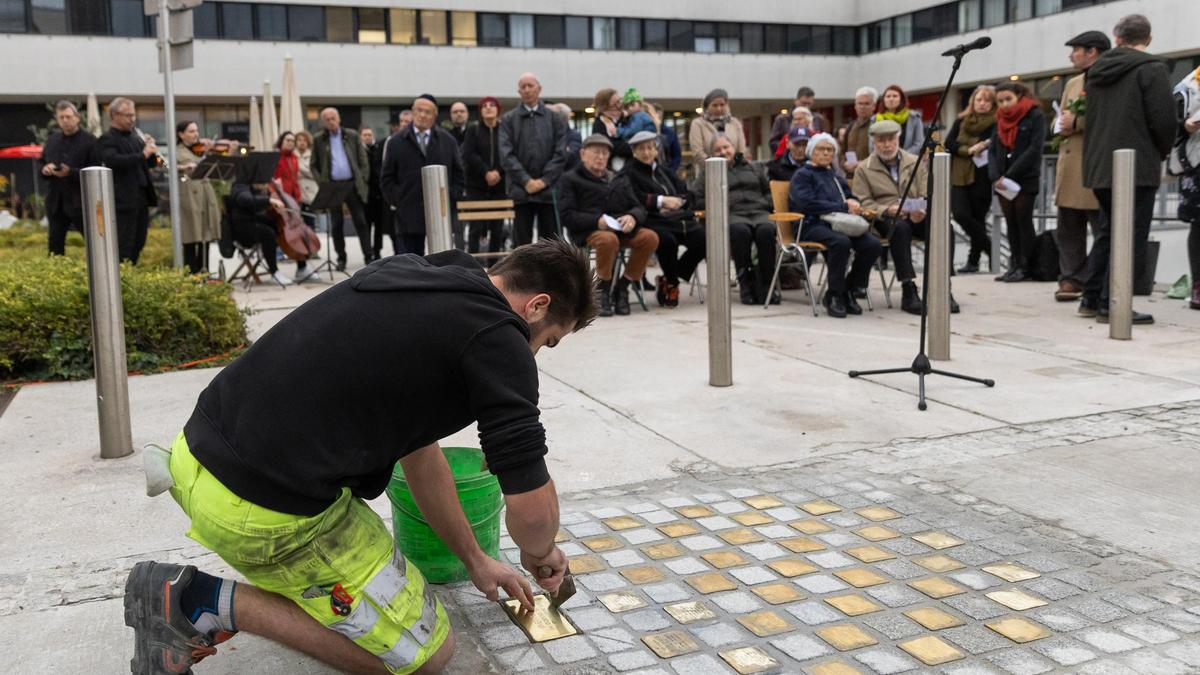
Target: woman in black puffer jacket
[484, 175]
[749, 222]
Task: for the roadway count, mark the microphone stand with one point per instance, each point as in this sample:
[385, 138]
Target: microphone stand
[921, 365]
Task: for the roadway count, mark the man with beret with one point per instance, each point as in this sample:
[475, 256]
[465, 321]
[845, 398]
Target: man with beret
[422, 144]
[1077, 205]
[879, 182]
[600, 210]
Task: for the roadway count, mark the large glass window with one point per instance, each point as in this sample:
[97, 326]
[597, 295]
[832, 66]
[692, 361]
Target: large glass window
[993, 12]
[549, 32]
[49, 16]
[682, 38]
[865, 45]
[1020, 9]
[729, 38]
[752, 38]
[237, 21]
[629, 33]
[433, 27]
[372, 25]
[306, 23]
[970, 16]
[705, 36]
[493, 30]
[903, 29]
[462, 29]
[776, 38]
[798, 39]
[12, 16]
[844, 39]
[339, 24]
[1044, 7]
[1072, 4]
[403, 23]
[128, 21]
[88, 17]
[271, 21]
[822, 40]
[604, 33]
[577, 32]
[654, 33]
[935, 22]
[883, 34]
[520, 30]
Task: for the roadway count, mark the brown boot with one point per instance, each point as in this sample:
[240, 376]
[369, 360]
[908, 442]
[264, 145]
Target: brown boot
[1069, 290]
[1194, 303]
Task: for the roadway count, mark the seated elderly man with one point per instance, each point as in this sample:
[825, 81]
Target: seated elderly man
[784, 166]
[600, 210]
[878, 184]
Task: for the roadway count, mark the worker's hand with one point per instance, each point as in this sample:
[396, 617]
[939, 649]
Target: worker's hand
[556, 561]
[489, 575]
[627, 223]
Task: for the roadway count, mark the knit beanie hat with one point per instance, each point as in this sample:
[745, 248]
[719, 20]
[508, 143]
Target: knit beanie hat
[631, 96]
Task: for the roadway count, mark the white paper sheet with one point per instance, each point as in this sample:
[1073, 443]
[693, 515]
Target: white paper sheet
[613, 223]
[1057, 117]
[1009, 189]
[851, 157]
[980, 160]
[915, 204]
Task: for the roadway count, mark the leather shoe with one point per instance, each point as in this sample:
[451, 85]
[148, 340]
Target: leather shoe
[620, 299]
[835, 306]
[969, 268]
[1017, 274]
[954, 308]
[860, 293]
[606, 301]
[852, 306]
[1139, 318]
[1088, 307]
[341, 265]
[910, 299]
[1068, 291]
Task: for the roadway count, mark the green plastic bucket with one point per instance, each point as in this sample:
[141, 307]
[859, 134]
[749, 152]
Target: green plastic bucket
[479, 494]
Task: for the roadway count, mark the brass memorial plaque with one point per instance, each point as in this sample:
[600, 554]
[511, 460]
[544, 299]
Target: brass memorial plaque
[748, 660]
[933, 618]
[938, 540]
[821, 507]
[801, 545]
[932, 651]
[695, 511]
[1017, 599]
[710, 583]
[690, 612]
[763, 502]
[777, 594]
[560, 537]
[678, 529]
[938, 562]
[1018, 629]
[792, 568]
[621, 601]
[765, 623]
[602, 544]
[870, 554]
[1010, 572]
[853, 604]
[859, 577]
[543, 623]
[671, 643]
[845, 637]
[740, 536]
[877, 513]
[724, 559]
[811, 526]
[752, 518]
[663, 551]
[937, 587]
[833, 668]
[876, 533]
[585, 564]
[622, 523]
[642, 575]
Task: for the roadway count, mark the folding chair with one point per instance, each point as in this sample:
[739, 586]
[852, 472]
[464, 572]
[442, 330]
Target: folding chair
[788, 236]
[250, 266]
[487, 209]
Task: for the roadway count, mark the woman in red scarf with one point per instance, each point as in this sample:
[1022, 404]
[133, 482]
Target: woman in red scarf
[1015, 163]
[288, 168]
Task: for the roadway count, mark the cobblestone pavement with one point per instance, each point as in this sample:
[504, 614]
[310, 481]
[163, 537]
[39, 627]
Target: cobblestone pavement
[834, 568]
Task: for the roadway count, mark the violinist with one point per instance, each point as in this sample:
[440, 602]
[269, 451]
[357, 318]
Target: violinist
[199, 209]
[251, 224]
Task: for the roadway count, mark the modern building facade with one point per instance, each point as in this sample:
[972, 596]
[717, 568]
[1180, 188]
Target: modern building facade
[372, 57]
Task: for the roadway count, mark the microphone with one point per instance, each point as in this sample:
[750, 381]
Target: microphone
[979, 43]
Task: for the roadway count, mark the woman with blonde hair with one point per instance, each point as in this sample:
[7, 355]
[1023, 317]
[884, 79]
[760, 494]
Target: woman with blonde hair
[971, 189]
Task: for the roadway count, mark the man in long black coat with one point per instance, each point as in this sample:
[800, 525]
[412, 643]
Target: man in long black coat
[130, 159]
[419, 145]
[66, 152]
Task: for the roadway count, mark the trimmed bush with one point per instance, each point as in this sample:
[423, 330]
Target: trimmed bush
[45, 320]
[29, 241]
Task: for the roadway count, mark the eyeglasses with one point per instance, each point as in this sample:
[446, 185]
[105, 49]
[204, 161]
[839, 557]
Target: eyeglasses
[124, 114]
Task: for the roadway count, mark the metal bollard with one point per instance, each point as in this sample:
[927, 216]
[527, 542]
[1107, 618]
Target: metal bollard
[435, 189]
[720, 338]
[937, 294]
[108, 318]
[1120, 266]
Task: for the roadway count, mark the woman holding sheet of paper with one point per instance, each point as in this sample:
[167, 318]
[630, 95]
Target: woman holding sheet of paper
[1015, 169]
[971, 191]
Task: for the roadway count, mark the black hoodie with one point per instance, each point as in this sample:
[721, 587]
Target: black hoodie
[407, 352]
[1129, 105]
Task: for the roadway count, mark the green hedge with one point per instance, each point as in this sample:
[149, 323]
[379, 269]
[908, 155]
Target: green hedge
[45, 320]
[28, 241]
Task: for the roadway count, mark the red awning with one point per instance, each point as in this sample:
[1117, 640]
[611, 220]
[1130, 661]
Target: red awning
[21, 152]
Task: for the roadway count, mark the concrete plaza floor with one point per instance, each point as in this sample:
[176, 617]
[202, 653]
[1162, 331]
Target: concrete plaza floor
[1079, 467]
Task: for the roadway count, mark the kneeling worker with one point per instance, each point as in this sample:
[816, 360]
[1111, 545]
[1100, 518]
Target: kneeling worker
[411, 350]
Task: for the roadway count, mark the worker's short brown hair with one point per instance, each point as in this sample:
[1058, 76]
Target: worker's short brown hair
[559, 269]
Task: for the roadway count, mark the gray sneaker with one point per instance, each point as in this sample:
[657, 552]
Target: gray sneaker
[165, 641]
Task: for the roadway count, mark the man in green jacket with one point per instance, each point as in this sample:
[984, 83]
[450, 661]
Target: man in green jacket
[338, 156]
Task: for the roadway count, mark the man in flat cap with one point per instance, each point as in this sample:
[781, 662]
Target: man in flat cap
[600, 210]
[1077, 205]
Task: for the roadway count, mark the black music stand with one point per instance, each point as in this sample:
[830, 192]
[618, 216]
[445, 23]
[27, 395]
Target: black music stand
[921, 365]
[216, 167]
[329, 196]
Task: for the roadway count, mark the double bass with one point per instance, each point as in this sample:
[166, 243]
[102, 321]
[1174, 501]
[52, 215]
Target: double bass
[295, 238]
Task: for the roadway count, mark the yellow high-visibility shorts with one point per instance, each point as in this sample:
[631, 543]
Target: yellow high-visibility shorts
[340, 566]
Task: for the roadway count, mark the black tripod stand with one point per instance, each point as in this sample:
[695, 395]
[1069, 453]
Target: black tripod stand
[920, 365]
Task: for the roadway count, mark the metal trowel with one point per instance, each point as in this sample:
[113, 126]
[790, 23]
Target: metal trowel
[565, 590]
